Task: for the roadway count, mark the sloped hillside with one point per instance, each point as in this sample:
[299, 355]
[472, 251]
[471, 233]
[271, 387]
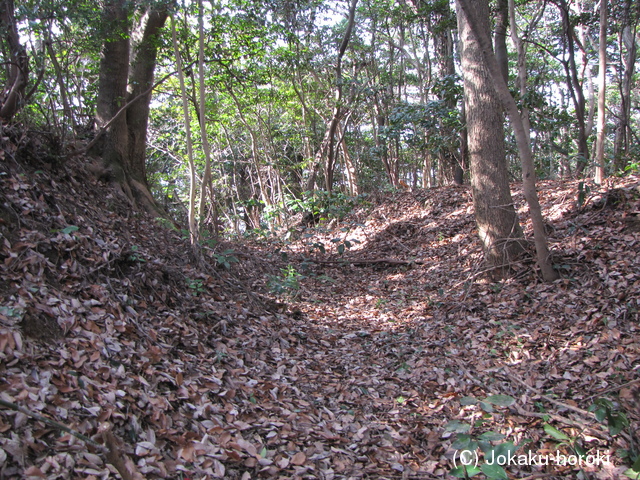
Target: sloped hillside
[367, 360]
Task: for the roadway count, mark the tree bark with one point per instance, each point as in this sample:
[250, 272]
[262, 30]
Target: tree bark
[17, 66]
[575, 88]
[628, 52]
[337, 111]
[193, 220]
[496, 218]
[500, 38]
[480, 69]
[126, 74]
[143, 61]
[207, 184]
[112, 90]
[602, 82]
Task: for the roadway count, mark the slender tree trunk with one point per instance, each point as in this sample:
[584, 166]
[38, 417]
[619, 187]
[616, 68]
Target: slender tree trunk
[193, 221]
[350, 168]
[522, 62]
[602, 79]
[207, 185]
[18, 66]
[255, 151]
[66, 106]
[575, 88]
[481, 68]
[500, 38]
[337, 111]
[628, 51]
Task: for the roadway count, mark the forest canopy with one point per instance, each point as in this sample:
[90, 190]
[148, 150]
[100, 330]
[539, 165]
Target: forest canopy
[239, 113]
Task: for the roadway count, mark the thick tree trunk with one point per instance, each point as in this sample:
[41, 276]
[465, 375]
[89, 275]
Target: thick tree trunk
[496, 218]
[112, 90]
[473, 21]
[126, 73]
[143, 61]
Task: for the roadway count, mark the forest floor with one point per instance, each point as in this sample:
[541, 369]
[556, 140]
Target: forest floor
[371, 347]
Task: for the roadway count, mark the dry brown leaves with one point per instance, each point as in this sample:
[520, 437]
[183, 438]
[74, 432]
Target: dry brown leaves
[108, 328]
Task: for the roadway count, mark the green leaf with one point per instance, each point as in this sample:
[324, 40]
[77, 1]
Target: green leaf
[555, 433]
[465, 401]
[486, 407]
[617, 422]
[457, 427]
[501, 453]
[70, 229]
[491, 436]
[580, 451]
[465, 472]
[494, 471]
[464, 442]
[341, 248]
[632, 473]
[605, 403]
[500, 400]
[636, 464]
[263, 452]
[485, 446]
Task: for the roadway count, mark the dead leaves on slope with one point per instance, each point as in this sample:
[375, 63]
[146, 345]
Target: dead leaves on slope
[106, 327]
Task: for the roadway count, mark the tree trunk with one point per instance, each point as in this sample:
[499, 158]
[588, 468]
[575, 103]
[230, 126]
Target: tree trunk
[337, 111]
[473, 21]
[350, 168]
[112, 91]
[575, 88]
[500, 39]
[17, 67]
[207, 185]
[126, 73]
[602, 79]
[496, 218]
[193, 220]
[66, 106]
[628, 52]
[143, 62]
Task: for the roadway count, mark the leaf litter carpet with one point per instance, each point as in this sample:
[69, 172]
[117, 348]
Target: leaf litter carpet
[187, 372]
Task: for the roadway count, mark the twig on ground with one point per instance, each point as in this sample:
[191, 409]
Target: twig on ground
[580, 411]
[52, 423]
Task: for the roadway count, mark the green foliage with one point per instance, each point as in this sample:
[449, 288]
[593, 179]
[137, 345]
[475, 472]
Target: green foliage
[633, 167]
[495, 450]
[70, 229]
[583, 192]
[434, 127]
[196, 286]
[134, 256]
[226, 258]
[605, 410]
[323, 205]
[288, 283]
[166, 223]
